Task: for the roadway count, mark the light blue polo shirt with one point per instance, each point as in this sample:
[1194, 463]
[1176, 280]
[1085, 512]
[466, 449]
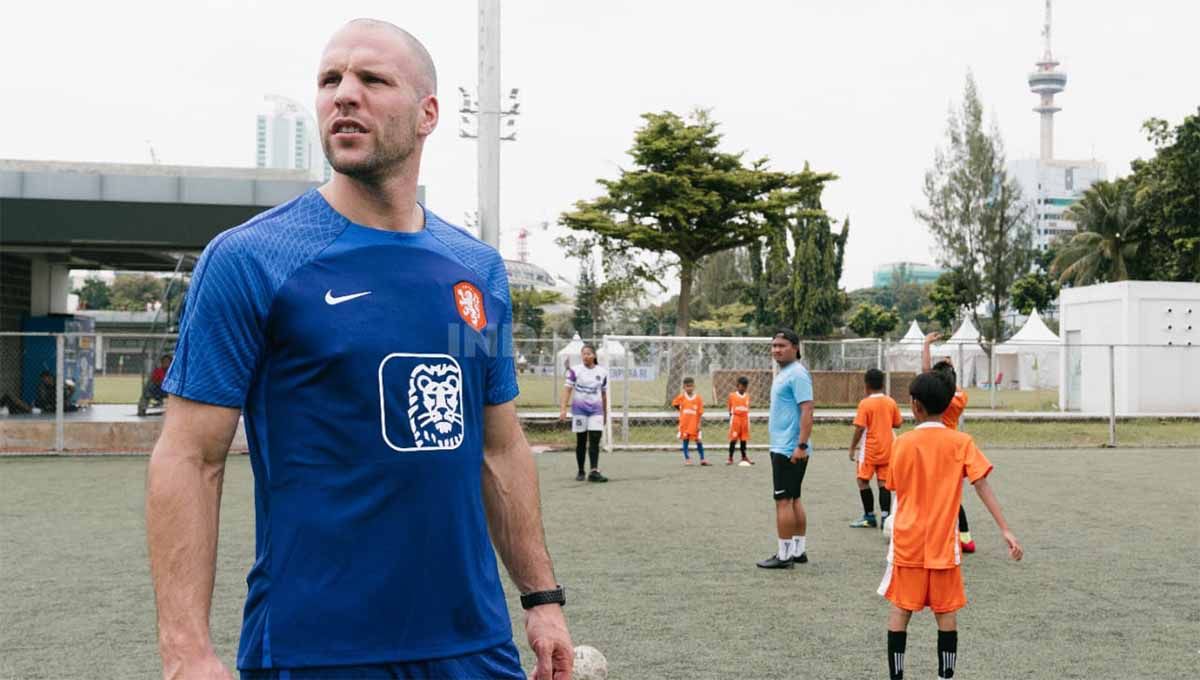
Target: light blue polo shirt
[791, 387]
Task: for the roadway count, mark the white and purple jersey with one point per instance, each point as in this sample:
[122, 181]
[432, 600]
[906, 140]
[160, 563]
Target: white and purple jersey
[587, 385]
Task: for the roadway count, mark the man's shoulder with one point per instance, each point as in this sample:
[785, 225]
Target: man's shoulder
[473, 253]
[279, 237]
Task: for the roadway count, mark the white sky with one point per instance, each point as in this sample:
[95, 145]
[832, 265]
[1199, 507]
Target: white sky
[859, 88]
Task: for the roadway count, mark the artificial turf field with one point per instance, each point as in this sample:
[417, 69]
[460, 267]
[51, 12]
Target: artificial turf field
[659, 566]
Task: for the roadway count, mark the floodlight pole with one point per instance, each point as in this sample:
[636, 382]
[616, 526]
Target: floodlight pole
[488, 144]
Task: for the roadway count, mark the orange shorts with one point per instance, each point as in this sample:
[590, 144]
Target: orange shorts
[867, 470]
[914, 588]
[690, 436]
[739, 430]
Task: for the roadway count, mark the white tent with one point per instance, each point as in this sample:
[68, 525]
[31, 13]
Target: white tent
[1029, 360]
[905, 355]
[963, 350]
[609, 353]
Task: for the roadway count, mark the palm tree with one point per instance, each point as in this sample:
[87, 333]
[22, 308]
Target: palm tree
[1107, 238]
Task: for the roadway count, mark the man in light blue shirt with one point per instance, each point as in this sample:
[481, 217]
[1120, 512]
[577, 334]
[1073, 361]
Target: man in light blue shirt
[790, 426]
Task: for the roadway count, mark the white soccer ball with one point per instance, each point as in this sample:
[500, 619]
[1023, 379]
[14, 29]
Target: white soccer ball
[744, 463]
[887, 526]
[590, 664]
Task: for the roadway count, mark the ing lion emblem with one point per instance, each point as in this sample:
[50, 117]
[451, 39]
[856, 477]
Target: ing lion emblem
[435, 411]
[469, 301]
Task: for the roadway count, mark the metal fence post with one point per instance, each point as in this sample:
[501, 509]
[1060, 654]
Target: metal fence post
[59, 382]
[554, 384]
[625, 396]
[1112, 398]
[887, 370]
[992, 374]
[879, 353]
[608, 442]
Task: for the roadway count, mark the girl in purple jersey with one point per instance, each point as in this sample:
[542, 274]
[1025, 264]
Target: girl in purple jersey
[586, 392]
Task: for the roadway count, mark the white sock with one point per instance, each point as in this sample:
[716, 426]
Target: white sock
[798, 546]
[785, 547]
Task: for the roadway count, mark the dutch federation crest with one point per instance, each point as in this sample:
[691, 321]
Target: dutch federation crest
[421, 402]
[469, 302]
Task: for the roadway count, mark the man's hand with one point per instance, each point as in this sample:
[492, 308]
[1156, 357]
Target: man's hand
[206, 667]
[546, 628]
[799, 454]
[1015, 550]
[932, 338]
[562, 416]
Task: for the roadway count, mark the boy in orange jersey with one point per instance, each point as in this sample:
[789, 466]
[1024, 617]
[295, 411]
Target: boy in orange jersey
[691, 408]
[871, 447]
[950, 419]
[739, 418]
[926, 472]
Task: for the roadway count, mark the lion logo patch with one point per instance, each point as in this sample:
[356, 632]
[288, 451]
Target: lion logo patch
[425, 393]
[469, 301]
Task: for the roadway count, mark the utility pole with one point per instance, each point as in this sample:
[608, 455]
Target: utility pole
[488, 144]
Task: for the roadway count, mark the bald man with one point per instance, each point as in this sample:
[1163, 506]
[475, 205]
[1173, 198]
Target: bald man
[367, 344]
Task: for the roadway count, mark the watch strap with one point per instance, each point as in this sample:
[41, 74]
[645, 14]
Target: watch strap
[536, 599]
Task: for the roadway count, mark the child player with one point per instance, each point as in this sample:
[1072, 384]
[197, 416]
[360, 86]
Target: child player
[739, 418]
[950, 419]
[871, 447]
[691, 407]
[926, 472]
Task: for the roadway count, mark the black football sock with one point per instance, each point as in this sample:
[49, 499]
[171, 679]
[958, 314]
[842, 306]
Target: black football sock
[580, 449]
[868, 500]
[947, 651]
[594, 448]
[962, 520]
[731, 445]
[896, 641]
[743, 448]
[885, 500]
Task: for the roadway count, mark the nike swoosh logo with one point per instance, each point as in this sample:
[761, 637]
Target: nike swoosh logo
[780, 493]
[331, 300]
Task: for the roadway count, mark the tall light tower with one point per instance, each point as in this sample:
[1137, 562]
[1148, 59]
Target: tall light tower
[1047, 82]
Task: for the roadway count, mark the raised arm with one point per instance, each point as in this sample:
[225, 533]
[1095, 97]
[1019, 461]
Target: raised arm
[984, 490]
[926, 358]
[513, 504]
[183, 503]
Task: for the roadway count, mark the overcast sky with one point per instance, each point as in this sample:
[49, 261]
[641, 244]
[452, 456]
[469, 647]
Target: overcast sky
[858, 88]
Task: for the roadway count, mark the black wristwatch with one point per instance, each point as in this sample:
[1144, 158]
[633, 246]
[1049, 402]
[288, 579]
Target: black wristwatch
[803, 446]
[536, 599]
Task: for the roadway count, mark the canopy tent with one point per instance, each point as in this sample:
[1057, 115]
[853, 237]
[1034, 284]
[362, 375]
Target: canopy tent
[608, 353]
[1029, 360]
[905, 355]
[963, 350]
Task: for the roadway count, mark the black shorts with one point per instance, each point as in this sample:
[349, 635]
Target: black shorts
[787, 476]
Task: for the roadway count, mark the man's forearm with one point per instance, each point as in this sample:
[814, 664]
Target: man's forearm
[806, 421]
[514, 513]
[183, 499]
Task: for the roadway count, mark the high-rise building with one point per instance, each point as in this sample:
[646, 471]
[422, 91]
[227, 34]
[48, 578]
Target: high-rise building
[286, 138]
[1050, 185]
[908, 272]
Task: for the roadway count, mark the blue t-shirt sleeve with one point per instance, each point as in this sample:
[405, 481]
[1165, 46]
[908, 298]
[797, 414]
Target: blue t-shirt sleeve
[802, 387]
[221, 334]
[501, 368]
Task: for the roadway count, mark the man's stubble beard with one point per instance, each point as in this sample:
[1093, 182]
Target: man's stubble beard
[383, 159]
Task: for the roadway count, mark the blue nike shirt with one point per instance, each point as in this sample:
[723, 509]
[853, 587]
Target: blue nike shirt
[791, 387]
[362, 360]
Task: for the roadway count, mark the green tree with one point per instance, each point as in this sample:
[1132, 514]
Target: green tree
[730, 319]
[529, 317]
[1167, 201]
[976, 214]
[1035, 290]
[683, 199]
[93, 294]
[586, 310]
[947, 297]
[796, 265]
[872, 321]
[1107, 241]
[134, 292]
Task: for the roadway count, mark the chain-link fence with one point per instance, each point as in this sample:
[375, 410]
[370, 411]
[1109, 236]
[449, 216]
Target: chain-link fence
[112, 378]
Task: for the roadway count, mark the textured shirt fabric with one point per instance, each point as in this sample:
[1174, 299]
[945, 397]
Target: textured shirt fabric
[791, 387]
[958, 404]
[362, 360]
[877, 414]
[691, 409]
[588, 386]
[926, 472]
